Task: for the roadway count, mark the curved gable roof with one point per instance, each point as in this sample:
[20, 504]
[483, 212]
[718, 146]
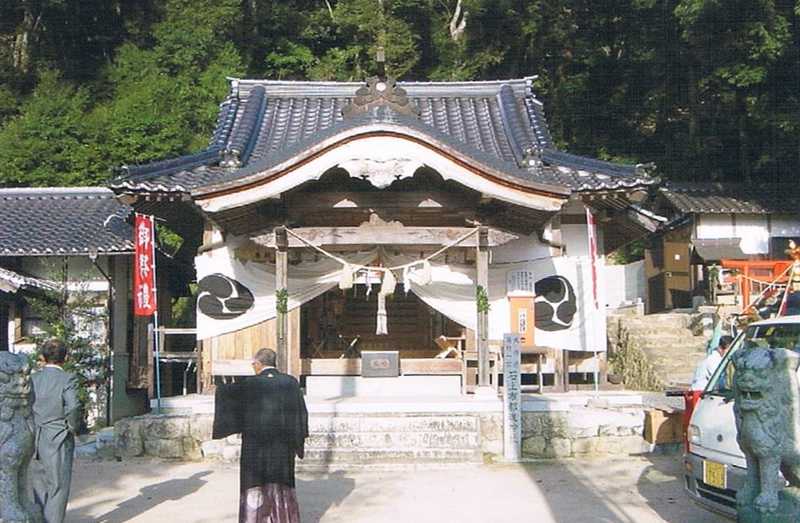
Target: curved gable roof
[496, 123]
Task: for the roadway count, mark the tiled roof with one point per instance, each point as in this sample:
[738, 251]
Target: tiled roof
[62, 221]
[716, 198]
[500, 124]
[11, 281]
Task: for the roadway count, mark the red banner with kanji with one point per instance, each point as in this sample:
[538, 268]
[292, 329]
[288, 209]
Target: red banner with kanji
[144, 266]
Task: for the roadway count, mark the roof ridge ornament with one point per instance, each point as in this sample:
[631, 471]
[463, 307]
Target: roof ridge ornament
[381, 90]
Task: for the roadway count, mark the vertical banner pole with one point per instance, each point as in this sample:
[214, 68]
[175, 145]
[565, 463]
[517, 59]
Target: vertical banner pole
[145, 294]
[512, 398]
[156, 332]
[592, 235]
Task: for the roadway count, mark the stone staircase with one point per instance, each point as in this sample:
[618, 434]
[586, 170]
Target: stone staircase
[673, 342]
[354, 439]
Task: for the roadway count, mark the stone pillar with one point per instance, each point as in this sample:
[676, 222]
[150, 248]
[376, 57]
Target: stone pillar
[16, 439]
[281, 297]
[482, 294]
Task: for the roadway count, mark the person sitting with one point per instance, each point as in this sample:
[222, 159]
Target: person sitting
[705, 369]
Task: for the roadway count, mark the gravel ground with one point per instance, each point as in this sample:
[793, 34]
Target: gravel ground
[601, 490]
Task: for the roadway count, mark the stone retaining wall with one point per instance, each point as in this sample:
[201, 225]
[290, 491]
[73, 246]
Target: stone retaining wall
[580, 431]
[583, 432]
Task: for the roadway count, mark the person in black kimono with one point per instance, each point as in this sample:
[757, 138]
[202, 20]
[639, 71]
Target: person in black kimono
[269, 411]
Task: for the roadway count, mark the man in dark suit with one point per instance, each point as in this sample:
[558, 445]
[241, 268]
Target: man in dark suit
[269, 411]
[56, 417]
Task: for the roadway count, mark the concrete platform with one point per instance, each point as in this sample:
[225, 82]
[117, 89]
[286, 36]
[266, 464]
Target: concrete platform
[550, 402]
[336, 387]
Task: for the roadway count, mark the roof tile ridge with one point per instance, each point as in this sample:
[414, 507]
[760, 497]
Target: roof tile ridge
[146, 171]
[537, 115]
[524, 151]
[92, 191]
[243, 141]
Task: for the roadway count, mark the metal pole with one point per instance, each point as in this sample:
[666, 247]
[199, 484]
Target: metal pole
[109, 333]
[156, 334]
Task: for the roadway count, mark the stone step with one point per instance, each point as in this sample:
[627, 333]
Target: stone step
[414, 423]
[683, 320]
[395, 440]
[655, 329]
[389, 455]
[674, 348]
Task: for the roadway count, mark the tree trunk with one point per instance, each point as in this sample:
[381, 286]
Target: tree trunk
[25, 41]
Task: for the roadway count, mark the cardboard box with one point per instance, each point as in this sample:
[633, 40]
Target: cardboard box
[663, 427]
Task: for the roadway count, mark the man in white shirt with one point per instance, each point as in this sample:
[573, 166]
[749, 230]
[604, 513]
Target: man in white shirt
[710, 363]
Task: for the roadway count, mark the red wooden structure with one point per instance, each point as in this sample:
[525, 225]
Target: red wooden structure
[752, 274]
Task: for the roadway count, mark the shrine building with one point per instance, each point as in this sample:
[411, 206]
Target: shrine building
[396, 229]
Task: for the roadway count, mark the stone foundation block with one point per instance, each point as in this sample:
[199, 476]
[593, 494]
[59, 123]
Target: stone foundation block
[559, 448]
[534, 447]
[545, 424]
[491, 431]
[191, 449]
[201, 427]
[212, 449]
[164, 448]
[128, 438]
[166, 427]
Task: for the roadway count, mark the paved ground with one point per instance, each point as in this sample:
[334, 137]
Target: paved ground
[634, 490]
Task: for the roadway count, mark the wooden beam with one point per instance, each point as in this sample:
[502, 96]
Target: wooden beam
[385, 235]
[379, 200]
[281, 286]
[482, 332]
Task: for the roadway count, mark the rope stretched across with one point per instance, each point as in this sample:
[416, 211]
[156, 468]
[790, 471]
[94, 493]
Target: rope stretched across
[344, 262]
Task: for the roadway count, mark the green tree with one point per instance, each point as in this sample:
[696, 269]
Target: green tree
[48, 143]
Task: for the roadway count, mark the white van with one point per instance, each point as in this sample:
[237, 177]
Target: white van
[715, 466]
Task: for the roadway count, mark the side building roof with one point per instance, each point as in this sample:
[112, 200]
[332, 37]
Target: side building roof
[63, 221]
[719, 198]
[500, 124]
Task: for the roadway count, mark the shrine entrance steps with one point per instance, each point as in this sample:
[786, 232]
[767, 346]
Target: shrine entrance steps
[403, 432]
[673, 343]
[401, 438]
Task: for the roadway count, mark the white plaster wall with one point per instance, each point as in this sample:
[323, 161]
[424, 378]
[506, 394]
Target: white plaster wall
[525, 248]
[714, 226]
[754, 231]
[11, 326]
[82, 274]
[624, 284]
[575, 237]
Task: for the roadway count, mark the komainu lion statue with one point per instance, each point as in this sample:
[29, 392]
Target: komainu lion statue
[16, 440]
[767, 406]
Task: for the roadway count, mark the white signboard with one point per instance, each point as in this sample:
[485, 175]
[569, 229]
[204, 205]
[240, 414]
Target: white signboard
[512, 398]
[520, 282]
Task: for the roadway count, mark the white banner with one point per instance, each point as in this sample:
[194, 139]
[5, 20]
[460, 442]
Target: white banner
[234, 294]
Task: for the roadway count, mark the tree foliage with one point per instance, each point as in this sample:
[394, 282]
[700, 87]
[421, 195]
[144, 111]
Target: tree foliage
[705, 89]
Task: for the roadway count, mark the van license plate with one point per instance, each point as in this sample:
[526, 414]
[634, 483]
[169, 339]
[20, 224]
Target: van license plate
[714, 474]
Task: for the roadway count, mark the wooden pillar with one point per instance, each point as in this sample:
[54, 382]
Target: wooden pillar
[482, 294]
[281, 287]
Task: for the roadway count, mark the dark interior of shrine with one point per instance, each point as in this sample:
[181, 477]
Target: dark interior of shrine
[344, 323]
